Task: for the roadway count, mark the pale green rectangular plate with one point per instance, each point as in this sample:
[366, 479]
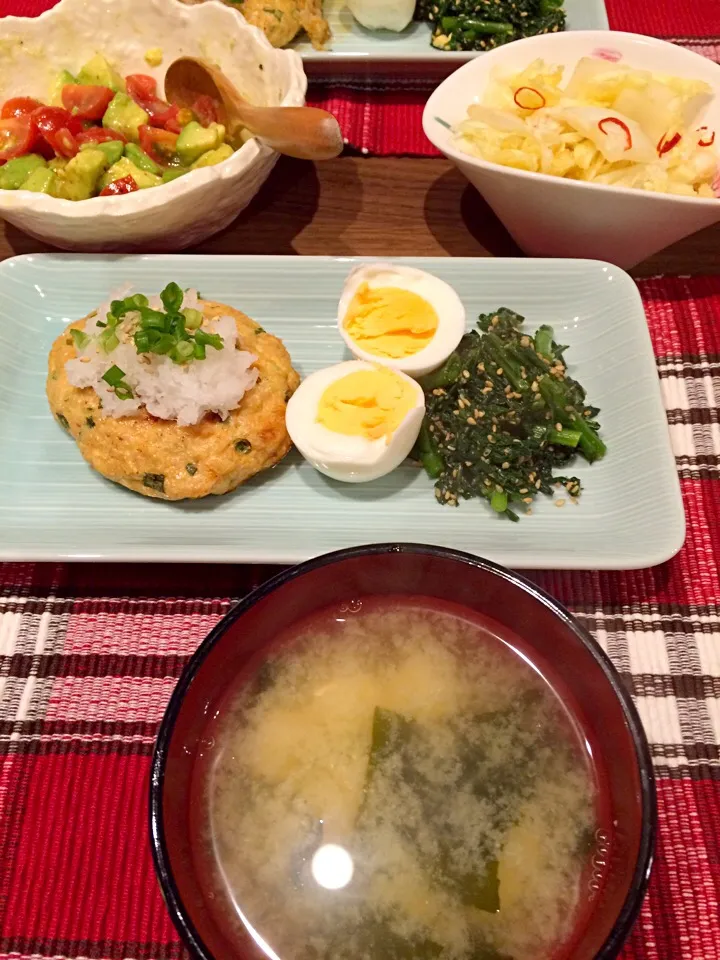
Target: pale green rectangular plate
[352, 42]
[53, 506]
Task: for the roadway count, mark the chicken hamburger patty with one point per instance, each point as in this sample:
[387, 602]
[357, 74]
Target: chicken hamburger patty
[158, 458]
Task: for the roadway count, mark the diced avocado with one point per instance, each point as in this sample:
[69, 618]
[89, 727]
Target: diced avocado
[79, 179]
[16, 171]
[113, 149]
[172, 173]
[58, 163]
[99, 73]
[154, 56]
[124, 116]
[60, 81]
[195, 140]
[212, 157]
[219, 131]
[40, 181]
[126, 168]
[141, 159]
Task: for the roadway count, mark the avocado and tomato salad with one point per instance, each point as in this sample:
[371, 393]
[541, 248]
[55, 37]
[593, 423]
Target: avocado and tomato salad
[104, 135]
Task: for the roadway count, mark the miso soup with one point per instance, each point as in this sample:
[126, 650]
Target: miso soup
[398, 781]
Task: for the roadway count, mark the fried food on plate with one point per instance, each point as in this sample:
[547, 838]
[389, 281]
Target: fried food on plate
[282, 20]
[173, 428]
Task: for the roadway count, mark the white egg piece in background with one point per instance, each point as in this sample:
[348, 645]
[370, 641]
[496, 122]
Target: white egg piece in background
[383, 14]
[355, 421]
[400, 316]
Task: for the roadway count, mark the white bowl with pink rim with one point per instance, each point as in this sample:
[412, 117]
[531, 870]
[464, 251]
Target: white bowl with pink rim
[557, 217]
[33, 50]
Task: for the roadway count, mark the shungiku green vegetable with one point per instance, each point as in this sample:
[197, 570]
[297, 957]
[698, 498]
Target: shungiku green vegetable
[480, 25]
[160, 353]
[503, 416]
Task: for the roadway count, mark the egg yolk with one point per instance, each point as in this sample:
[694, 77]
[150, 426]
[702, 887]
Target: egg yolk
[389, 321]
[367, 403]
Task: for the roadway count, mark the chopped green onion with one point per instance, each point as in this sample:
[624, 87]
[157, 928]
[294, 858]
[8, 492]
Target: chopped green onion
[154, 319]
[164, 345]
[114, 377]
[199, 351]
[118, 308]
[210, 339]
[63, 421]
[193, 318]
[183, 351]
[123, 392]
[172, 297]
[177, 326]
[80, 339]
[139, 300]
[499, 501]
[142, 341]
[100, 323]
[108, 340]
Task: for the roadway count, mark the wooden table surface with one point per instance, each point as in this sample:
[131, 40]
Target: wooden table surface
[396, 206]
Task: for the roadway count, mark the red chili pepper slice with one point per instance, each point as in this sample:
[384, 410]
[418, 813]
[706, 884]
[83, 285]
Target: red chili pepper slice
[618, 123]
[533, 104]
[664, 146]
[706, 143]
[117, 187]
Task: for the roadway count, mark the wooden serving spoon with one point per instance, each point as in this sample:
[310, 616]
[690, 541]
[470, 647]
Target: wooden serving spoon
[304, 132]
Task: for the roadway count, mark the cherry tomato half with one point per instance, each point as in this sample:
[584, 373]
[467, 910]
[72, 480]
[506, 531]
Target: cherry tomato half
[19, 107]
[141, 87]
[59, 128]
[158, 144]
[86, 101]
[98, 135]
[123, 185]
[17, 137]
[205, 110]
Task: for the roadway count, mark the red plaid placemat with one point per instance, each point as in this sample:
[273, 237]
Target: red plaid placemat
[88, 661]
[383, 115]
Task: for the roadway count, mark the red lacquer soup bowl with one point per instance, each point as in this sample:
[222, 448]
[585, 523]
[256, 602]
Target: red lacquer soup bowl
[524, 618]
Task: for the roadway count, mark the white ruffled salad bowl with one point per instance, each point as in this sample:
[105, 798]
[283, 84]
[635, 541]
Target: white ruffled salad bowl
[187, 210]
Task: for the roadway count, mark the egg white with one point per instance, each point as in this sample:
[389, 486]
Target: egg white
[352, 459]
[442, 297]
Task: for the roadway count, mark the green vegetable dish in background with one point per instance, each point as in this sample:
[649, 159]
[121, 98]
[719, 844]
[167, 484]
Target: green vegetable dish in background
[102, 134]
[502, 416]
[484, 24]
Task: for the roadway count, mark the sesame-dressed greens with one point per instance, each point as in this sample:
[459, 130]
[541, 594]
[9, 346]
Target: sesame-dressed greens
[503, 417]
[484, 24]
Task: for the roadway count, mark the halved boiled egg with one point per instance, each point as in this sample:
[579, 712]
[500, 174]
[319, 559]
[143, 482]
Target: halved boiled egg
[355, 421]
[400, 317]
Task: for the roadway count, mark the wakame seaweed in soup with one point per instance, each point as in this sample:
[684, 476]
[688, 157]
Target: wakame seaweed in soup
[398, 784]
